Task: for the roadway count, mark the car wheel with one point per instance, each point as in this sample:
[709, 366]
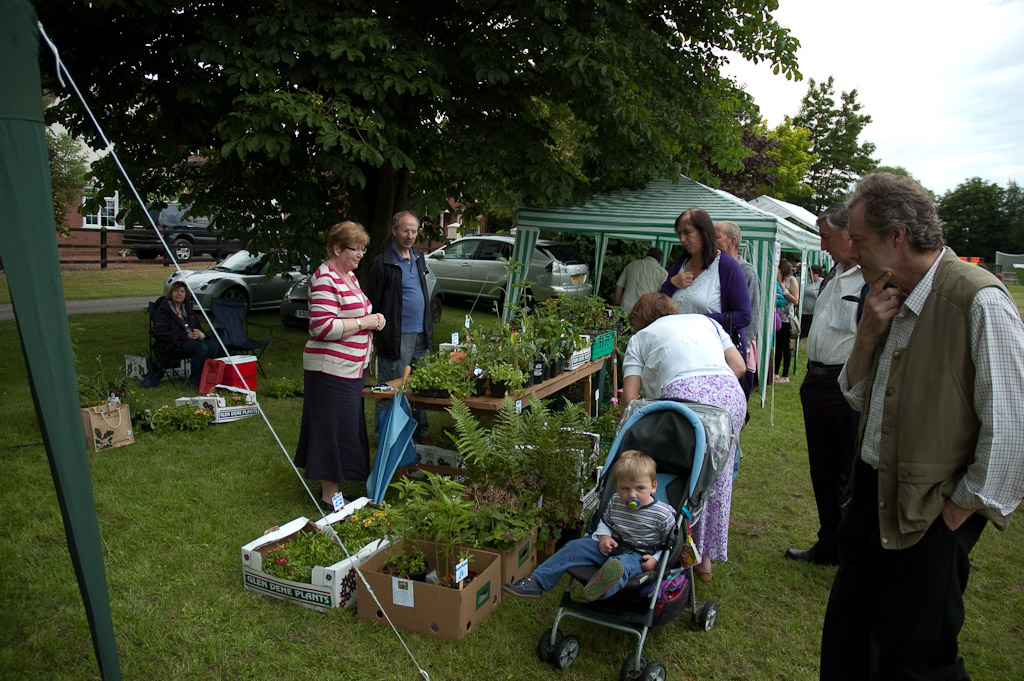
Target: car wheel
[182, 249]
[237, 293]
[435, 309]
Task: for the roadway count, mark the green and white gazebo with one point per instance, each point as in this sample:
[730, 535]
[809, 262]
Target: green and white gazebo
[649, 214]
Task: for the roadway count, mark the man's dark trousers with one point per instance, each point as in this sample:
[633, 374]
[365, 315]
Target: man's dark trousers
[831, 427]
[895, 615]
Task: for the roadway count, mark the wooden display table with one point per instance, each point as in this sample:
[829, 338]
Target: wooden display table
[489, 406]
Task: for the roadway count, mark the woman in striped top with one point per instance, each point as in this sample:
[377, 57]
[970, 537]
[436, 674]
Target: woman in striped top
[333, 446]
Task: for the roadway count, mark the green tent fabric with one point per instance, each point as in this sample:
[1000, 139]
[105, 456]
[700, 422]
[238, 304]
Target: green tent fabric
[28, 247]
[650, 213]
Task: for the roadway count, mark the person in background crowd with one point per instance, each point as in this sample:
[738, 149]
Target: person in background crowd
[638, 278]
[784, 336]
[178, 332]
[830, 423]
[689, 356]
[810, 298]
[333, 446]
[727, 240]
[396, 284]
[935, 372]
[707, 281]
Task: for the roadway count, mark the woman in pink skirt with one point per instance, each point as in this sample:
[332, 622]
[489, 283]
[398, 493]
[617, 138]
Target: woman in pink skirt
[689, 356]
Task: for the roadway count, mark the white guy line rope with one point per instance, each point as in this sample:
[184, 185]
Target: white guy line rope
[62, 72]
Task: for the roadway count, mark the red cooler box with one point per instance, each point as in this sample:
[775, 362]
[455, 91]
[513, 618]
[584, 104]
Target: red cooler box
[229, 371]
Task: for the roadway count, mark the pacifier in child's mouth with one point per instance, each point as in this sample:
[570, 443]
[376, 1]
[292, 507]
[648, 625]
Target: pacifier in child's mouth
[633, 504]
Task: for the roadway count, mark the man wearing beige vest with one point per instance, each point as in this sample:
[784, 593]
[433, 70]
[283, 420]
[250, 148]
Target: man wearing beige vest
[935, 373]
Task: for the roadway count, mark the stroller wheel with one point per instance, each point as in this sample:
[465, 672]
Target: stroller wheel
[566, 652]
[707, 615]
[545, 650]
[655, 671]
[631, 671]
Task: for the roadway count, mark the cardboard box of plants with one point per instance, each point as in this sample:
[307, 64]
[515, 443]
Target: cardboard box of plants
[438, 611]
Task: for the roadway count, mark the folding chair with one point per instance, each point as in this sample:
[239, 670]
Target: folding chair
[230, 315]
[169, 364]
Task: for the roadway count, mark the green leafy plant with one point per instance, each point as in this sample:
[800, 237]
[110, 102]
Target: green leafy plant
[167, 419]
[406, 561]
[283, 387]
[508, 374]
[438, 372]
[437, 509]
[296, 559]
[502, 517]
[96, 387]
[537, 452]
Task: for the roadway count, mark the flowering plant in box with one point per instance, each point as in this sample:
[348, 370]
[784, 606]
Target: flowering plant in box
[184, 417]
[364, 526]
[230, 397]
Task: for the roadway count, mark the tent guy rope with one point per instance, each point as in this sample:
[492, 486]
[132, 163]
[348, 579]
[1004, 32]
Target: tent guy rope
[62, 73]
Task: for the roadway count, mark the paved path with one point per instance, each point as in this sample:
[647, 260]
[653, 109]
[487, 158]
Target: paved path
[87, 306]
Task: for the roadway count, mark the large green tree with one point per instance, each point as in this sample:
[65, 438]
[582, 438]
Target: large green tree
[835, 134]
[69, 172]
[309, 112]
[975, 218]
[1014, 219]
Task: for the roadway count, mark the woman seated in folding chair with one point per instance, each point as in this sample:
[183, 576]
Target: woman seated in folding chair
[179, 333]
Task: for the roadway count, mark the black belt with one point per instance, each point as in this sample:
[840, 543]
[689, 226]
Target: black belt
[819, 369]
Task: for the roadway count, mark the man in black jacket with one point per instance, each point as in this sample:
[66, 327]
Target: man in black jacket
[396, 284]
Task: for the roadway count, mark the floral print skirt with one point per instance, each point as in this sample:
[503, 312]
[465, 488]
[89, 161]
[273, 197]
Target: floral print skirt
[711, 532]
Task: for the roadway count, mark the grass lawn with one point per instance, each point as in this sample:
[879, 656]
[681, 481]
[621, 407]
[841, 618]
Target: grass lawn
[175, 510]
[145, 280]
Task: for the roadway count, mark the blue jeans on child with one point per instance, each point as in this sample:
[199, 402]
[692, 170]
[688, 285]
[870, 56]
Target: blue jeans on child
[580, 552]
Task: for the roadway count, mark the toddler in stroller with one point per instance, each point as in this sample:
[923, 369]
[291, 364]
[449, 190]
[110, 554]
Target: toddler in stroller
[689, 444]
[632, 528]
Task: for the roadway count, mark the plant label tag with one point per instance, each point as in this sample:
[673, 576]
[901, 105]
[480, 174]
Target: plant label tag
[402, 592]
[519, 406]
[338, 500]
[455, 338]
[467, 321]
[462, 570]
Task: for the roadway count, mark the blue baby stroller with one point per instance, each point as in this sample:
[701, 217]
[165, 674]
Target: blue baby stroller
[675, 436]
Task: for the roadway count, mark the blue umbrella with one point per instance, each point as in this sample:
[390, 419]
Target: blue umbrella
[395, 426]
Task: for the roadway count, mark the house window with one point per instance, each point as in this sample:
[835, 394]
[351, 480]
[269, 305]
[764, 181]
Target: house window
[105, 217]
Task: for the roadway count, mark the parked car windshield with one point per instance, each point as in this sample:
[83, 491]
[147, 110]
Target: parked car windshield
[243, 262]
[563, 253]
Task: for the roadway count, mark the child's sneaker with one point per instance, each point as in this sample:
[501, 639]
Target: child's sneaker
[607, 577]
[527, 588]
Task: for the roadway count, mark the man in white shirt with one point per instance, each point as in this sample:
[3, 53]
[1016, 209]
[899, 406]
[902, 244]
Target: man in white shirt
[640, 277]
[935, 371]
[830, 423]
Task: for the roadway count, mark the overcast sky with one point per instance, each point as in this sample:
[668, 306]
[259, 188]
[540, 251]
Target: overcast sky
[942, 81]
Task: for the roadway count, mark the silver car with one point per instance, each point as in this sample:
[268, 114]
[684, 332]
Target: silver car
[470, 266]
[241, 276]
[295, 305]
